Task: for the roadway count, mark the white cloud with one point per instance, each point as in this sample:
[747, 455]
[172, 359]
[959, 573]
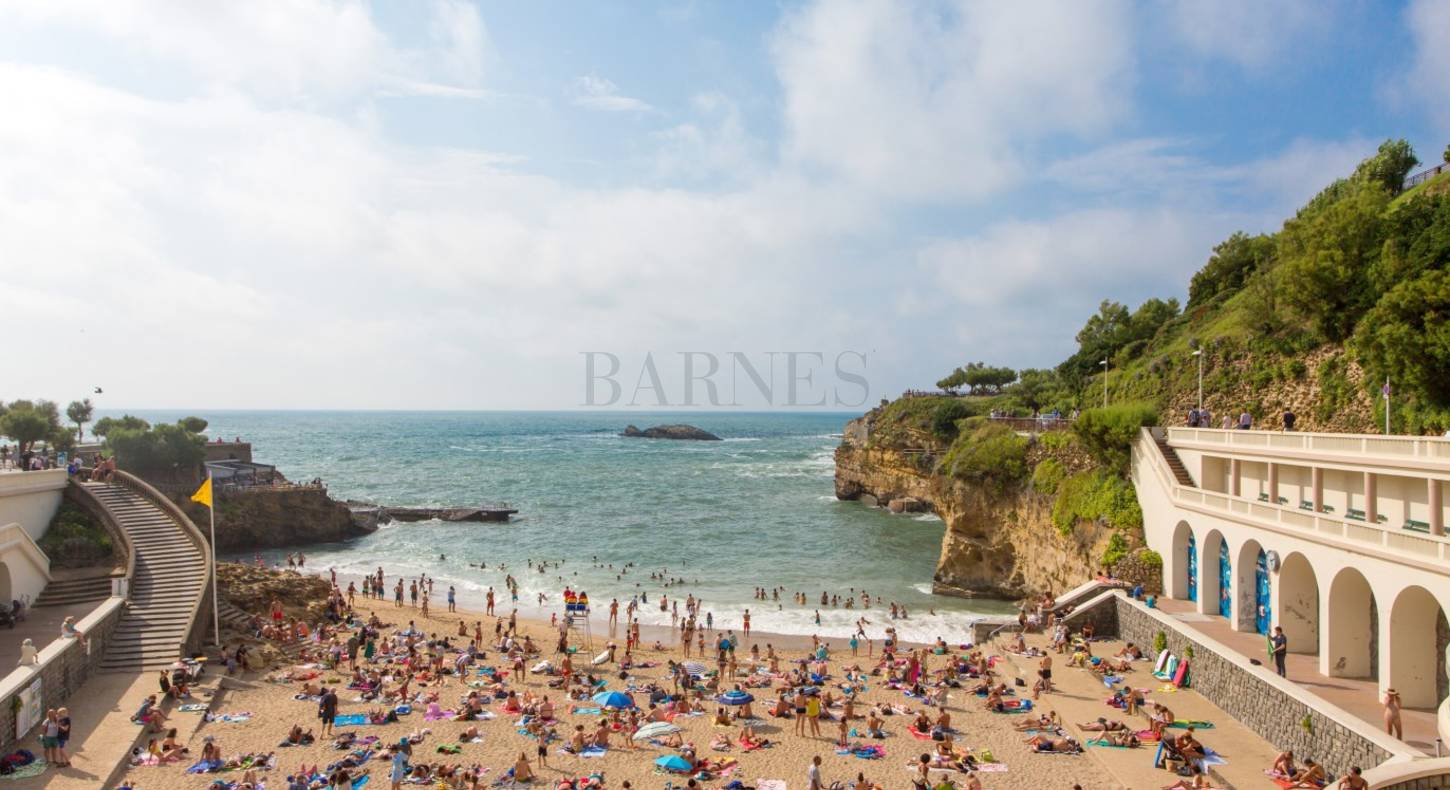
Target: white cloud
[598, 93]
[1426, 86]
[947, 99]
[1250, 33]
[290, 50]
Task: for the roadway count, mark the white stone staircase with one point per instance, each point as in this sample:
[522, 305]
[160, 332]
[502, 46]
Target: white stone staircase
[170, 577]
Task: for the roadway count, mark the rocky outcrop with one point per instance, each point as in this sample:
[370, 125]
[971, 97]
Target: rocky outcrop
[684, 432]
[267, 518]
[998, 544]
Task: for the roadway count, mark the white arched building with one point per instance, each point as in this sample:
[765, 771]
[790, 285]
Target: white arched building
[28, 501]
[1338, 538]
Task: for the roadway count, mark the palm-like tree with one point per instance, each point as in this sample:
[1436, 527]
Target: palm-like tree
[79, 412]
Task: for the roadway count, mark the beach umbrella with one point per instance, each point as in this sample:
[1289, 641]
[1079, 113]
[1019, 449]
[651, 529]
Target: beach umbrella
[613, 700]
[655, 730]
[734, 698]
[695, 668]
[674, 762]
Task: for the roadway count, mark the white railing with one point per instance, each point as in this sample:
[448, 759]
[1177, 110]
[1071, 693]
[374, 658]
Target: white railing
[1429, 448]
[1352, 534]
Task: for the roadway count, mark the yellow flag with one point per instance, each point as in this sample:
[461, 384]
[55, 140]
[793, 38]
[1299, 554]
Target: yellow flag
[203, 494]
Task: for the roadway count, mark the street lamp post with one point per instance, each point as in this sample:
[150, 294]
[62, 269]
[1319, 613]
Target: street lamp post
[1198, 352]
[1104, 363]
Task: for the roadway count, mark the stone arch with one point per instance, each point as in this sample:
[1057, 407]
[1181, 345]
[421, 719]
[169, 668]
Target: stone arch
[1210, 588]
[1350, 627]
[1414, 658]
[1183, 584]
[1298, 610]
[1251, 589]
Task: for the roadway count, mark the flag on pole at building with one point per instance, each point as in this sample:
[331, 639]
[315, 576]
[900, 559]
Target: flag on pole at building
[203, 494]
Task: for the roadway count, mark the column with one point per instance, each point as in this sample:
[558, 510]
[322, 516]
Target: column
[1437, 509]
[1233, 476]
[1371, 497]
[1316, 487]
[1273, 483]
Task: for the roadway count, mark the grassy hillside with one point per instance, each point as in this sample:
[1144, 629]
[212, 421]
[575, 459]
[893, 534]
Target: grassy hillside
[1352, 290]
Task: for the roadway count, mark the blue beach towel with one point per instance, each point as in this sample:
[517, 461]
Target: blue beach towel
[350, 720]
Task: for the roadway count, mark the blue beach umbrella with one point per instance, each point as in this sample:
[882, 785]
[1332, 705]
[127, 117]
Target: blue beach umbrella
[734, 698]
[613, 700]
[674, 762]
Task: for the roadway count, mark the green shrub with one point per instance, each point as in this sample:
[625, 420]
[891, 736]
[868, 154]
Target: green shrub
[74, 539]
[991, 454]
[1116, 550]
[1109, 433]
[1151, 558]
[1160, 642]
[1048, 475]
[944, 417]
[1096, 495]
[1055, 441]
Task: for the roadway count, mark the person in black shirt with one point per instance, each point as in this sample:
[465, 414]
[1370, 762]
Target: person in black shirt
[1281, 649]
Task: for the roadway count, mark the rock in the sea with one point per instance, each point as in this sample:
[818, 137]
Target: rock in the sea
[670, 432]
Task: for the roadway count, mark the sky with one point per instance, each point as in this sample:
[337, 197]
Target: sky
[445, 204]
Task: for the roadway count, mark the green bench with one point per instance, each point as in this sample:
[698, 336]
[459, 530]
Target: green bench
[1357, 515]
[1263, 497]
[1417, 526]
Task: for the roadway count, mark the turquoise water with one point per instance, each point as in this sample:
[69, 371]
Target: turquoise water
[755, 510]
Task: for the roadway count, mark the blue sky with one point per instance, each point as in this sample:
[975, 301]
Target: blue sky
[440, 204]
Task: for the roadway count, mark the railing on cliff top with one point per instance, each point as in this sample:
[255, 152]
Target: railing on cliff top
[1421, 177]
[145, 490]
[1429, 448]
[1034, 424]
[1428, 551]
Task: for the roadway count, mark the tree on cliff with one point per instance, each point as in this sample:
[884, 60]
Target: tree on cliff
[1389, 166]
[28, 422]
[192, 424]
[979, 377]
[105, 425]
[79, 412]
[163, 447]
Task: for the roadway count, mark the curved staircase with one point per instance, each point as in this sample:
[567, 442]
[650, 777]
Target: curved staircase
[166, 589]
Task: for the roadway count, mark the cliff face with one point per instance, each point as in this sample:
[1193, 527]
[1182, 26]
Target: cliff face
[271, 518]
[999, 545]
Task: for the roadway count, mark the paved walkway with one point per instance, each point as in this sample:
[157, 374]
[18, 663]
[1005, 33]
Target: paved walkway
[101, 732]
[1080, 696]
[1357, 696]
[42, 626]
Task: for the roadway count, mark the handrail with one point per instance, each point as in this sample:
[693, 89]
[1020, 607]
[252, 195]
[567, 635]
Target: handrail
[14, 534]
[1432, 448]
[144, 489]
[86, 498]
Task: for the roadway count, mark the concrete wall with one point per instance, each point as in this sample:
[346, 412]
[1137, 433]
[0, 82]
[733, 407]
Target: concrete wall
[30, 499]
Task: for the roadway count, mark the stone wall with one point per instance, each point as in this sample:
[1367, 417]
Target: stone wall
[1253, 695]
[1254, 700]
[64, 666]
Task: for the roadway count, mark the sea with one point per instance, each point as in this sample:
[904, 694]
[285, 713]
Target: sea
[607, 512]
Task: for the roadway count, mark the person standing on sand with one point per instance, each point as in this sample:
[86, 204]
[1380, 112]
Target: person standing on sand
[1044, 675]
[327, 709]
[747, 623]
[488, 608]
[1393, 724]
[452, 604]
[813, 774]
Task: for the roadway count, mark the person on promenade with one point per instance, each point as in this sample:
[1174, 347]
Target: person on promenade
[1280, 645]
[68, 630]
[49, 736]
[1393, 723]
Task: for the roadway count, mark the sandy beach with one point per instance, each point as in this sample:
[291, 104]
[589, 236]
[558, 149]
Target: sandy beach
[273, 709]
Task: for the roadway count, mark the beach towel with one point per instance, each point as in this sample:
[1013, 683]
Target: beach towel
[351, 720]
[992, 768]
[205, 767]
[588, 711]
[439, 715]
[918, 734]
[770, 784]
[230, 718]
[35, 768]
[1195, 723]
[864, 752]
[1104, 744]
[193, 707]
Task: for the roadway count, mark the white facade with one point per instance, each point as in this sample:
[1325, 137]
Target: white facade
[1337, 538]
[28, 501]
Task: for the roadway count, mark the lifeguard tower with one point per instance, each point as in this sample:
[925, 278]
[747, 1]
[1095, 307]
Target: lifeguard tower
[576, 619]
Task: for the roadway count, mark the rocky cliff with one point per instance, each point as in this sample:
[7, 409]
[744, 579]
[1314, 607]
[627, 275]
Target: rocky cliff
[997, 544]
[266, 518]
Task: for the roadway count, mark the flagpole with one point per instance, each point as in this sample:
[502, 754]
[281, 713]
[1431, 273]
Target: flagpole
[216, 617]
